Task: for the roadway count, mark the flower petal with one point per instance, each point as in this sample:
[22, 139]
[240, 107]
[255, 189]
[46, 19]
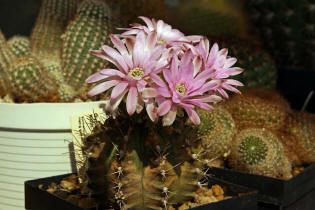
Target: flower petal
[102, 87]
[116, 56]
[150, 93]
[118, 89]
[151, 110]
[96, 77]
[170, 117]
[164, 107]
[132, 100]
[114, 102]
[193, 116]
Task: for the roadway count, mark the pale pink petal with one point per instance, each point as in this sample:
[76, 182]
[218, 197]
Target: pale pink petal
[212, 55]
[116, 56]
[229, 62]
[151, 41]
[112, 72]
[194, 38]
[234, 82]
[193, 116]
[96, 77]
[102, 87]
[223, 93]
[149, 93]
[114, 103]
[197, 65]
[122, 49]
[164, 92]
[138, 49]
[148, 22]
[164, 107]
[157, 80]
[174, 66]
[152, 110]
[141, 84]
[170, 117]
[132, 100]
[230, 88]
[234, 71]
[118, 89]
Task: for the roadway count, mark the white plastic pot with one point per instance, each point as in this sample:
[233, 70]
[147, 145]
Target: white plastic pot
[34, 143]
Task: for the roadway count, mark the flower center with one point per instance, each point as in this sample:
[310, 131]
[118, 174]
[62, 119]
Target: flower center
[136, 73]
[180, 88]
[162, 41]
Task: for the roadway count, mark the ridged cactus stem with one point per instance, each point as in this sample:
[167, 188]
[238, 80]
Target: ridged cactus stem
[50, 24]
[20, 45]
[88, 31]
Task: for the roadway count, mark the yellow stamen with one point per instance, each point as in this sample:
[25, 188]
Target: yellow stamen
[162, 41]
[136, 73]
[181, 88]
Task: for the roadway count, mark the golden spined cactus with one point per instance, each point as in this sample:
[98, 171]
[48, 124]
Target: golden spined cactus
[135, 186]
[20, 45]
[216, 131]
[6, 57]
[260, 108]
[89, 30]
[289, 144]
[258, 151]
[301, 126]
[50, 24]
[30, 81]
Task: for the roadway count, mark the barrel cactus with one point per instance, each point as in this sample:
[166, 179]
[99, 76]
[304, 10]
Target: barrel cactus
[258, 151]
[20, 45]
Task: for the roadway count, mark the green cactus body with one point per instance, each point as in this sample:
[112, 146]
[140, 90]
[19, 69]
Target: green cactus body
[30, 80]
[6, 57]
[88, 31]
[259, 108]
[259, 68]
[20, 46]
[301, 127]
[50, 24]
[287, 29]
[216, 130]
[258, 151]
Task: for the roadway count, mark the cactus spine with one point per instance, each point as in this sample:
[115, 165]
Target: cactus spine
[258, 151]
[88, 31]
[29, 80]
[50, 24]
[20, 45]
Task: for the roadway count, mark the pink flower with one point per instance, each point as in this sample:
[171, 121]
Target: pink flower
[165, 33]
[184, 90]
[137, 60]
[220, 65]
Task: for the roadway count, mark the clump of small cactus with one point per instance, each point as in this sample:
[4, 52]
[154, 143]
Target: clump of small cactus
[258, 151]
[64, 33]
[260, 108]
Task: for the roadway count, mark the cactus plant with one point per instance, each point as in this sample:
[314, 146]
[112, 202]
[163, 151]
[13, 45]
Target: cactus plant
[87, 31]
[50, 24]
[259, 151]
[287, 28]
[20, 45]
[261, 108]
[27, 74]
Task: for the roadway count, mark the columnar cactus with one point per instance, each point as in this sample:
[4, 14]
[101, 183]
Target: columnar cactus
[50, 24]
[258, 151]
[89, 30]
[20, 45]
[260, 108]
[30, 80]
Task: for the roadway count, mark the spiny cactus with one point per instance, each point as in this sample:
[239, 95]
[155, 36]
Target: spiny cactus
[20, 45]
[260, 108]
[6, 57]
[259, 68]
[258, 151]
[287, 29]
[120, 168]
[29, 80]
[50, 24]
[301, 126]
[88, 31]
[216, 131]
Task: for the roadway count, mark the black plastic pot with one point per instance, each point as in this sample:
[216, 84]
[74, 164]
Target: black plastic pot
[38, 199]
[295, 85]
[281, 193]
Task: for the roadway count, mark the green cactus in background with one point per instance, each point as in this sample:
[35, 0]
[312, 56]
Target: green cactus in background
[20, 45]
[287, 29]
[259, 108]
[301, 126]
[29, 80]
[259, 68]
[89, 30]
[258, 151]
[50, 24]
[216, 130]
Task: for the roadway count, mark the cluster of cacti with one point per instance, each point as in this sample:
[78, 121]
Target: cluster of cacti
[258, 151]
[260, 108]
[135, 168]
[287, 28]
[259, 68]
[59, 48]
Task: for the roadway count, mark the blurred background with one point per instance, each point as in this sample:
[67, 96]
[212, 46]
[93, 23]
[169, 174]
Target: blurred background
[274, 40]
